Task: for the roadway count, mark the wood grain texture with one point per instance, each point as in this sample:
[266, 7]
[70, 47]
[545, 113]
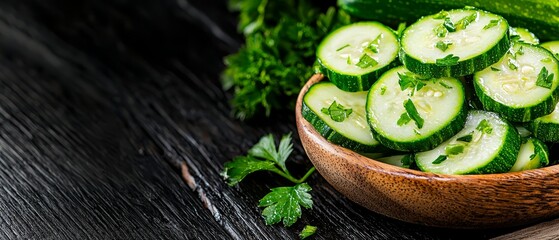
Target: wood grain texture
[113, 125]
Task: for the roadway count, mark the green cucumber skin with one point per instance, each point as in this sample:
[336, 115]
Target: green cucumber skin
[506, 158]
[544, 160]
[518, 114]
[463, 68]
[538, 16]
[545, 131]
[334, 137]
[350, 83]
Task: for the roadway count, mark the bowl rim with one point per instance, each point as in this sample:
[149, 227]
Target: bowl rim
[378, 166]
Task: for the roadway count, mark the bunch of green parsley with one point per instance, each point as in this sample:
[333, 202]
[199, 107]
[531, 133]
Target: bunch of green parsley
[277, 58]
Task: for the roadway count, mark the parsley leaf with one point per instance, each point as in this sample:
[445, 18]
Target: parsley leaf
[440, 159]
[440, 31]
[443, 46]
[513, 65]
[366, 61]
[464, 22]
[454, 149]
[337, 112]
[495, 69]
[373, 45]
[449, 25]
[266, 149]
[484, 127]
[466, 138]
[307, 231]
[404, 119]
[284, 204]
[382, 90]
[448, 60]
[441, 15]
[545, 79]
[413, 114]
[241, 166]
[492, 23]
[342, 47]
[409, 80]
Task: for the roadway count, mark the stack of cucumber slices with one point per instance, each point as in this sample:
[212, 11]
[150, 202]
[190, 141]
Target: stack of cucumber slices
[457, 92]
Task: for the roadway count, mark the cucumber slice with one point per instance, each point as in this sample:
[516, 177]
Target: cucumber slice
[492, 148]
[523, 132]
[533, 154]
[352, 131]
[546, 128]
[354, 56]
[442, 45]
[552, 46]
[393, 120]
[523, 35]
[404, 161]
[522, 86]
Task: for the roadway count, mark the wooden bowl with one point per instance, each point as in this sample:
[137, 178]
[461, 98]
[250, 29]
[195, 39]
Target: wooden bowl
[452, 201]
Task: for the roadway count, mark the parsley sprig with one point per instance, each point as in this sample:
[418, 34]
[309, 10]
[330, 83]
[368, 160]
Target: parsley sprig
[282, 204]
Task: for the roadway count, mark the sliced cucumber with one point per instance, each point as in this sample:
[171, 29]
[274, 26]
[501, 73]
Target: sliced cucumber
[444, 45]
[522, 86]
[404, 161]
[523, 35]
[334, 121]
[552, 46]
[533, 154]
[439, 110]
[523, 132]
[546, 128]
[354, 56]
[487, 144]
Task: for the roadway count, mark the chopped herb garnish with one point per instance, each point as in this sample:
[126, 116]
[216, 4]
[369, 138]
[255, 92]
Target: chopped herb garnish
[495, 69]
[337, 112]
[533, 155]
[342, 47]
[545, 79]
[445, 85]
[466, 138]
[484, 127]
[366, 61]
[408, 80]
[407, 160]
[307, 231]
[285, 203]
[520, 50]
[382, 90]
[440, 31]
[441, 15]
[449, 60]
[373, 45]
[404, 119]
[513, 65]
[454, 149]
[491, 24]
[545, 60]
[348, 60]
[449, 25]
[413, 114]
[443, 46]
[440, 159]
[515, 38]
[464, 22]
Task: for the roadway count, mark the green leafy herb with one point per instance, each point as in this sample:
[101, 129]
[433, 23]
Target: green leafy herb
[337, 112]
[276, 59]
[404, 119]
[262, 156]
[440, 31]
[409, 80]
[492, 23]
[515, 38]
[464, 22]
[466, 138]
[495, 69]
[520, 50]
[342, 47]
[454, 149]
[366, 61]
[513, 65]
[448, 60]
[443, 46]
[407, 160]
[441, 15]
[413, 114]
[440, 159]
[307, 231]
[484, 127]
[348, 60]
[284, 204]
[373, 45]
[382, 90]
[545, 60]
[445, 85]
[545, 79]
[449, 25]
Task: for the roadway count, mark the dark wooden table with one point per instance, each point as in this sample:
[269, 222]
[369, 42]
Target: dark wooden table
[113, 125]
